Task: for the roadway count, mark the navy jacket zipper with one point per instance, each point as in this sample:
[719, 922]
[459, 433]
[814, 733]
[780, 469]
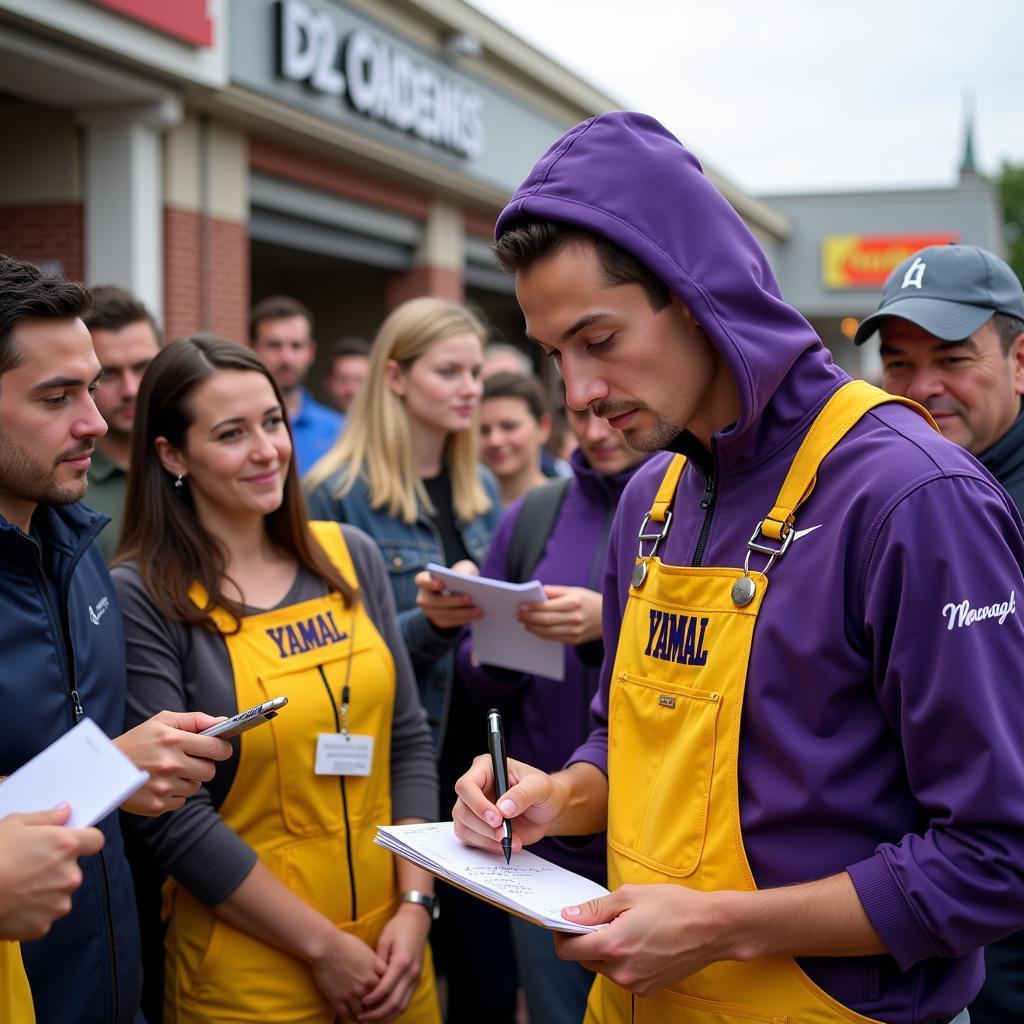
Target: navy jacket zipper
[62, 629]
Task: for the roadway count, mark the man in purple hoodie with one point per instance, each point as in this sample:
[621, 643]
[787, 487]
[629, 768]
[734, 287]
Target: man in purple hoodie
[807, 758]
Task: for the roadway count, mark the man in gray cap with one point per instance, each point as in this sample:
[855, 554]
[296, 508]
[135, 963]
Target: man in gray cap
[951, 322]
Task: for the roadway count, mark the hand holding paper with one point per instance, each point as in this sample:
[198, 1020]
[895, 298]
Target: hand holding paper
[499, 638]
[83, 768]
[570, 615]
[444, 608]
[39, 870]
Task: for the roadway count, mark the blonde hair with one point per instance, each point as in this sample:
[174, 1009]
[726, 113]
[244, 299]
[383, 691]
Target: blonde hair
[377, 443]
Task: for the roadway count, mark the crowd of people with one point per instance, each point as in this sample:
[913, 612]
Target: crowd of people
[792, 754]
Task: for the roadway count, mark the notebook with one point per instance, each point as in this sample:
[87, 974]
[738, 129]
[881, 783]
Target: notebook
[499, 638]
[82, 768]
[530, 886]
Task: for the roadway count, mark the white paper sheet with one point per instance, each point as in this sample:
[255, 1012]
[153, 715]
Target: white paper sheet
[499, 638]
[83, 768]
[530, 886]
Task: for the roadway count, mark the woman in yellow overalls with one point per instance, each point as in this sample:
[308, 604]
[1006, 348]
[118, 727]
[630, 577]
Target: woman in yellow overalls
[278, 905]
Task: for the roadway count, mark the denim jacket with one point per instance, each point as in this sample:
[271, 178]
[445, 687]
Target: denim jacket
[407, 548]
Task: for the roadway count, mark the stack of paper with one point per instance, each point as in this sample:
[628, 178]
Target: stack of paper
[530, 886]
[499, 638]
[83, 768]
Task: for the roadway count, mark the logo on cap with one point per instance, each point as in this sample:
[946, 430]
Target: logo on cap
[915, 274]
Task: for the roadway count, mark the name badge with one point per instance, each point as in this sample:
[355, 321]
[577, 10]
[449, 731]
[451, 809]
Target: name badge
[338, 754]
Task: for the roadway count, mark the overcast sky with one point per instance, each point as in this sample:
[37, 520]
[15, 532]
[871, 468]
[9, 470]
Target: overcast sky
[802, 95]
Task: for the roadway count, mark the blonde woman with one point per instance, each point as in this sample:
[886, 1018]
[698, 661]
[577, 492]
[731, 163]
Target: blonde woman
[405, 471]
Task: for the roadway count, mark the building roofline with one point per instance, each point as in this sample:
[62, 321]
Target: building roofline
[900, 192]
[518, 54]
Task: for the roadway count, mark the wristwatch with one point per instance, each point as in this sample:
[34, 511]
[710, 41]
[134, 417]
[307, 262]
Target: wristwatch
[426, 900]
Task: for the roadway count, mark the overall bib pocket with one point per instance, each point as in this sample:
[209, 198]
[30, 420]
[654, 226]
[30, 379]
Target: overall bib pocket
[659, 815]
[305, 798]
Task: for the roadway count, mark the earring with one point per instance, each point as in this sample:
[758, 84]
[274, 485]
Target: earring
[180, 482]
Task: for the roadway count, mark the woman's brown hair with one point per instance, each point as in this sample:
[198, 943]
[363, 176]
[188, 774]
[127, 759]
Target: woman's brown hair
[162, 533]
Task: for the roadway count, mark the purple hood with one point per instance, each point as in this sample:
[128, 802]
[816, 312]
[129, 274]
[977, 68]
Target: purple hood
[881, 728]
[661, 208]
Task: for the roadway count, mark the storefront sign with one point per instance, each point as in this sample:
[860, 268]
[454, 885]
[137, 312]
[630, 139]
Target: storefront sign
[378, 79]
[864, 261]
[186, 20]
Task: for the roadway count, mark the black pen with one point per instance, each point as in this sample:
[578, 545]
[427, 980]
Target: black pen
[499, 765]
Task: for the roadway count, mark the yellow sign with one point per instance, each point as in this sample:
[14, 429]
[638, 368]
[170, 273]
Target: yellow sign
[864, 261]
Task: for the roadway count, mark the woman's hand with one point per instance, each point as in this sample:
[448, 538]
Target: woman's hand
[447, 610]
[168, 746]
[346, 970]
[401, 947]
[570, 615]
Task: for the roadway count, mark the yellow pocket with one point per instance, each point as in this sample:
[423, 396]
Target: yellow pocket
[701, 1011]
[310, 805]
[661, 753]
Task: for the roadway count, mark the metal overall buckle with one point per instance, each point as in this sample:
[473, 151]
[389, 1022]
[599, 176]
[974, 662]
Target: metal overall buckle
[743, 589]
[640, 569]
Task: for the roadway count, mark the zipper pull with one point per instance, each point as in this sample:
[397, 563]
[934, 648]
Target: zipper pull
[709, 491]
[76, 706]
[344, 709]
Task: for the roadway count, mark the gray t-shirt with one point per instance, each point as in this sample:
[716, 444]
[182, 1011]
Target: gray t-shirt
[178, 667]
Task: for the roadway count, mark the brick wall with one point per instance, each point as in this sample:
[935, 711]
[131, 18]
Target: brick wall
[205, 292]
[440, 282]
[45, 233]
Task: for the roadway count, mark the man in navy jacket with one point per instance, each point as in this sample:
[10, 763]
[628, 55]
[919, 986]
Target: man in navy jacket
[61, 645]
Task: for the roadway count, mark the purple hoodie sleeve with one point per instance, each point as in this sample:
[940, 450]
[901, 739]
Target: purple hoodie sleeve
[492, 685]
[595, 750]
[940, 609]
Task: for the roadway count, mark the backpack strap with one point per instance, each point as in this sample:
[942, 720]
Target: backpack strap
[536, 520]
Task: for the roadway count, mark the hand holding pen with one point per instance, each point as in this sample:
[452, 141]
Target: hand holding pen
[499, 765]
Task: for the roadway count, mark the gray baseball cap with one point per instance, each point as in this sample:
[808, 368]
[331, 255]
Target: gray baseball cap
[948, 291]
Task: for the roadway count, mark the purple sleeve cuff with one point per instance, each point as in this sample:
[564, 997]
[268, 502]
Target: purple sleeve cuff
[889, 912]
[594, 751]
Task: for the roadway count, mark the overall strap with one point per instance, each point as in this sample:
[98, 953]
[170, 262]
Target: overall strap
[667, 490]
[328, 535]
[222, 619]
[840, 413]
[659, 511]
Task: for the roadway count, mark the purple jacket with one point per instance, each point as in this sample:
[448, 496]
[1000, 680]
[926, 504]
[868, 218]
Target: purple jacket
[883, 721]
[546, 720]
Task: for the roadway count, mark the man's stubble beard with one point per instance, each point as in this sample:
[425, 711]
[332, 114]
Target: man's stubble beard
[657, 439]
[27, 479]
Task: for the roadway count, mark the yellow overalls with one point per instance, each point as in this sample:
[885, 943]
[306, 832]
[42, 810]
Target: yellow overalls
[673, 747]
[15, 995]
[313, 831]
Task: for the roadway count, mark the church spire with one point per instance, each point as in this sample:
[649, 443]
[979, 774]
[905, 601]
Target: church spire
[968, 168]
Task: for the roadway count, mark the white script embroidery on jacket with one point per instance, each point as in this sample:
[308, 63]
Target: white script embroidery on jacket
[963, 614]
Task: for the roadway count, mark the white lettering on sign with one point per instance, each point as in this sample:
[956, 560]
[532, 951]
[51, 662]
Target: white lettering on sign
[378, 80]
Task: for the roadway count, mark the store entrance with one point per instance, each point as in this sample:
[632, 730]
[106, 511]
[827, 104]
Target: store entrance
[344, 297]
